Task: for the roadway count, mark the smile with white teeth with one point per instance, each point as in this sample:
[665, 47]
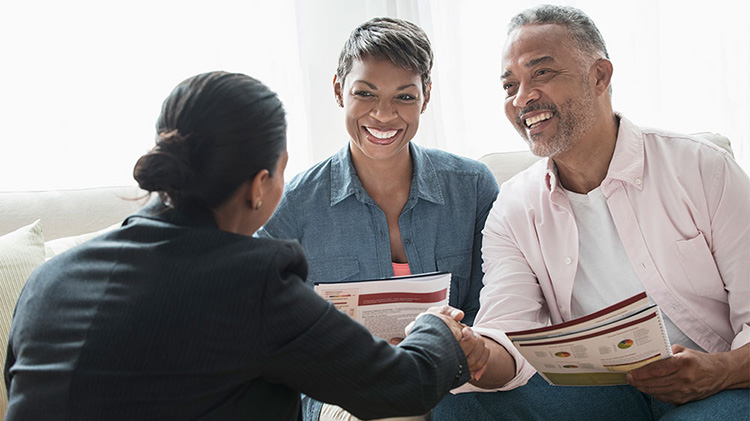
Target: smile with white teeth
[531, 122]
[380, 134]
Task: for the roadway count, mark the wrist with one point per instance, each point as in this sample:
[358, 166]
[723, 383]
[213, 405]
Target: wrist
[737, 366]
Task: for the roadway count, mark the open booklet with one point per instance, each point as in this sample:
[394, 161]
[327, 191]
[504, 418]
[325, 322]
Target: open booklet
[599, 348]
[387, 306]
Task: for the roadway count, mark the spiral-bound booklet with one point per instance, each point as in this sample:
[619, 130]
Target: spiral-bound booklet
[597, 349]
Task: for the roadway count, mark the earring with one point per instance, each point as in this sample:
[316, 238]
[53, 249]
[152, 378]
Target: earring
[258, 204]
[338, 101]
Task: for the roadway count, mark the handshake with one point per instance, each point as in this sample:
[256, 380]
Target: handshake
[477, 354]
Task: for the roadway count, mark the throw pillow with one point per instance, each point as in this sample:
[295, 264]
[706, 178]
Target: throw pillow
[21, 251]
[54, 247]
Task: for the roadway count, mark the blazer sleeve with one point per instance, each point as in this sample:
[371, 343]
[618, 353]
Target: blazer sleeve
[314, 348]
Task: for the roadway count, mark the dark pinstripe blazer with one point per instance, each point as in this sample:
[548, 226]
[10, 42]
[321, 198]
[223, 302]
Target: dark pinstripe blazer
[169, 317]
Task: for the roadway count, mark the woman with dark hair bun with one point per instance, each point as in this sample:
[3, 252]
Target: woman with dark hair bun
[182, 314]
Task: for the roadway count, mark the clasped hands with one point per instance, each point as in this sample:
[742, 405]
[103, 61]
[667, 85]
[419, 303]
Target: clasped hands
[477, 354]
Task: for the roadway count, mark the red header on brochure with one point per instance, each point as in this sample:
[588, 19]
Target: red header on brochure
[402, 297]
[592, 335]
[585, 318]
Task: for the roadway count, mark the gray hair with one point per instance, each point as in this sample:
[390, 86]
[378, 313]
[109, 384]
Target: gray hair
[402, 43]
[584, 33]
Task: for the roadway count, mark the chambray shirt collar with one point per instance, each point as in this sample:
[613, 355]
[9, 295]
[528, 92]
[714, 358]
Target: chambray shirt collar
[424, 183]
[626, 165]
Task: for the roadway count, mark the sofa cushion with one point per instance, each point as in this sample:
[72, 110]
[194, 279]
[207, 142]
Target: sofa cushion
[21, 251]
[54, 247]
[65, 213]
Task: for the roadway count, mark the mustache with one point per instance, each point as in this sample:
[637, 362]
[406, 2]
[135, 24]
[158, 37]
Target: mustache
[534, 107]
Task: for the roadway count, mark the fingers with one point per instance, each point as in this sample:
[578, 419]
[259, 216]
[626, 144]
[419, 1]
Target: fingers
[685, 376]
[452, 324]
[657, 372]
[454, 313]
[449, 315]
[472, 344]
[477, 354]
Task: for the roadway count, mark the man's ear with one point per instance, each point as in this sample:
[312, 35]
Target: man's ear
[254, 191]
[602, 72]
[338, 91]
[426, 97]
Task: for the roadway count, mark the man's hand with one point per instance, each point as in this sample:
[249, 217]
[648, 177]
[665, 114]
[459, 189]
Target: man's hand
[690, 375]
[472, 344]
[477, 354]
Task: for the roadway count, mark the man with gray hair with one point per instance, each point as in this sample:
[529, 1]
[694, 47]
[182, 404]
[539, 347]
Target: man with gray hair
[613, 210]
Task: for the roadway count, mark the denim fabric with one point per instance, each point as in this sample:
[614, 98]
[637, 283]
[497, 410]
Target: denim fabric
[345, 234]
[538, 400]
[728, 405]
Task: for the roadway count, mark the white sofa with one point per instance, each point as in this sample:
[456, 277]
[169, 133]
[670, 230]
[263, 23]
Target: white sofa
[35, 226]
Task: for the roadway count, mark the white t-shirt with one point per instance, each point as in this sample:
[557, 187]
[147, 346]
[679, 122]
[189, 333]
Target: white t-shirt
[604, 275]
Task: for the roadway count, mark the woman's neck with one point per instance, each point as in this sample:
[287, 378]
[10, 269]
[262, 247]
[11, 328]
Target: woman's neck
[380, 177]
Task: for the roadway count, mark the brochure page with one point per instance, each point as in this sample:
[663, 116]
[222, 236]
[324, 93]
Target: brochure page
[387, 306]
[597, 349]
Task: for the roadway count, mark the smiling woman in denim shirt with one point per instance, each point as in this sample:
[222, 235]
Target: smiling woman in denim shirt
[383, 206]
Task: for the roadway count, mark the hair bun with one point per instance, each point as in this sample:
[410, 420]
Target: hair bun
[216, 131]
[166, 168]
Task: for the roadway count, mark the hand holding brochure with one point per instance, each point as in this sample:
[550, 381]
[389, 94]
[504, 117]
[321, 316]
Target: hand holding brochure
[387, 306]
[599, 348]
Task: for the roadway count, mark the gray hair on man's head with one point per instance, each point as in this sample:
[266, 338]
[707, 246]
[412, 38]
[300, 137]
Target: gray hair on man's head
[401, 42]
[584, 33]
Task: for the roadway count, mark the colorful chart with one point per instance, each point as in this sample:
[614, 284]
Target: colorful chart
[562, 354]
[625, 344]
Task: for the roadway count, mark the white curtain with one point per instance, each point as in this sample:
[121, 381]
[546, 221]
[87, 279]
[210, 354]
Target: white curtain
[81, 82]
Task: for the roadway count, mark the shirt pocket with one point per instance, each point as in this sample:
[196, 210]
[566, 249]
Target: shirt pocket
[699, 267]
[333, 269]
[459, 266]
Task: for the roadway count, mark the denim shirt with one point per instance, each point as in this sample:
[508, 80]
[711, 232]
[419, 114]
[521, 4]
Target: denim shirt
[345, 233]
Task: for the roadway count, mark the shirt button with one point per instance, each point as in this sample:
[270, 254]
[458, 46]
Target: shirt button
[637, 181]
[407, 242]
[568, 260]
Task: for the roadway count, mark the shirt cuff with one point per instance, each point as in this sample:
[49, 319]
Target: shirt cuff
[742, 338]
[524, 370]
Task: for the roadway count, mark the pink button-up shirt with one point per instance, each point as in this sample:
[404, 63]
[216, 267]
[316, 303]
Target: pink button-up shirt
[682, 209]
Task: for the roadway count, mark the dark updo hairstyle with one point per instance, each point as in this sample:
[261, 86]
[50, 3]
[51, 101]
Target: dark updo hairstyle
[216, 131]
